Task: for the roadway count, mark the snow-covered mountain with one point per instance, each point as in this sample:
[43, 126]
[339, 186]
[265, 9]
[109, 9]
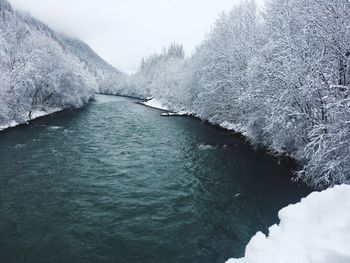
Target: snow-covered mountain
[42, 71]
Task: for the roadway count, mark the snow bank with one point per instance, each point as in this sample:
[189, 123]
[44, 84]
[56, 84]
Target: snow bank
[316, 230]
[227, 125]
[8, 125]
[40, 113]
[179, 113]
[156, 104]
[233, 127]
[35, 115]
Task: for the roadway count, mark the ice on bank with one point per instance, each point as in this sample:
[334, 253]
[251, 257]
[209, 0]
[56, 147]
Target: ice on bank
[316, 230]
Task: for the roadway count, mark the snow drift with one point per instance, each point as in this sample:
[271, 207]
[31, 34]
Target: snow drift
[316, 230]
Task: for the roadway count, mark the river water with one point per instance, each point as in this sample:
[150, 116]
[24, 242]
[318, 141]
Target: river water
[116, 182]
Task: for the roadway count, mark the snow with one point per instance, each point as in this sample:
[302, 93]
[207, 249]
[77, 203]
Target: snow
[166, 114]
[41, 113]
[76, 72]
[232, 126]
[227, 125]
[35, 115]
[8, 125]
[160, 105]
[38, 114]
[156, 104]
[316, 230]
[179, 113]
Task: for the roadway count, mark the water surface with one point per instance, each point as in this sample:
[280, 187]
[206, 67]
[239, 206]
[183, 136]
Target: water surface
[116, 182]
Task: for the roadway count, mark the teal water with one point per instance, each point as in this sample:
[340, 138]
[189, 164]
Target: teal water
[116, 182]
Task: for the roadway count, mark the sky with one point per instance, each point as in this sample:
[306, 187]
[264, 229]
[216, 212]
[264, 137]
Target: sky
[124, 31]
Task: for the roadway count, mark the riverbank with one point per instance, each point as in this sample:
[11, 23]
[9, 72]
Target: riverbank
[225, 125]
[36, 114]
[307, 232]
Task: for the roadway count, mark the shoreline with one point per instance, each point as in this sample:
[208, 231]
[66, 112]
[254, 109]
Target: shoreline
[226, 126]
[36, 115]
[142, 101]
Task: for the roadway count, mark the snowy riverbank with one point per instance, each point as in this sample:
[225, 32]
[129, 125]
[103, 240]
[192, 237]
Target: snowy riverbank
[160, 105]
[42, 72]
[155, 104]
[316, 230]
[35, 115]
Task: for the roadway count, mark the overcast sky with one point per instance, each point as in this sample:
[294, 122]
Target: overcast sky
[124, 31]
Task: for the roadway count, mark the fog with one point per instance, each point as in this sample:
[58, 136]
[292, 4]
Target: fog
[123, 32]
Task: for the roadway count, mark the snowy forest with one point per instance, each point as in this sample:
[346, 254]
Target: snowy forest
[118, 182]
[42, 72]
[280, 76]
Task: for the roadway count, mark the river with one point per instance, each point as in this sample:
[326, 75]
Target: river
[116, 182]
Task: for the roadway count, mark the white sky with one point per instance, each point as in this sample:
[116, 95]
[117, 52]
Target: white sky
[124, 31]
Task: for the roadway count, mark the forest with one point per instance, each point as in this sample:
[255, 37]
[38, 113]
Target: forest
[42, 71]
[280, 76]
[118, 182]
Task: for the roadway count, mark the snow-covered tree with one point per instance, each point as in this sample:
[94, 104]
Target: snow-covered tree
[41, 70]
[278, 75]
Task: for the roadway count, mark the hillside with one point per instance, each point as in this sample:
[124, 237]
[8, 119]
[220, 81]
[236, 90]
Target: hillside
[43, 72]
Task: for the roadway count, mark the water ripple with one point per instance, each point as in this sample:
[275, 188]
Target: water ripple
[116, 182]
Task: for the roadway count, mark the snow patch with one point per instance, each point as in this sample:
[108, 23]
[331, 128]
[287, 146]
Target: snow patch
[38, 114]
[316, 230]
[228, 125]
[35, 114]
[179, 113]
[156, 104]
[8, 125]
